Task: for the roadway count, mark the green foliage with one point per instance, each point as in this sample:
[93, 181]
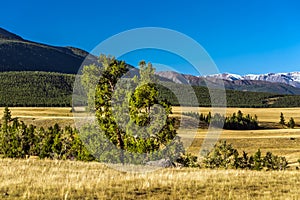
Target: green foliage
[234, 98]
[240, 122]
[256, 162]
[273, 162]
[196, 115]
[286, 101]
[18, 140]
[55, 89]
[130, 119]
[282, 120]
[89, 79]
[223, 155]
[35, 89]
[235, 122]
[188, 160]
[291, 123]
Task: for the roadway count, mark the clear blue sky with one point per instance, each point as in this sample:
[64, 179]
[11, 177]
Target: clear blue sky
[257, 36]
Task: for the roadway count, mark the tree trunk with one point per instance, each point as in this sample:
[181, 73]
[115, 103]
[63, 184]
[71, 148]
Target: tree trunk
[121, 145]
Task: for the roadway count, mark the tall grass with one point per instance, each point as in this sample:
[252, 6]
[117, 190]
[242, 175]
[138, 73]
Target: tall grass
[50, 179]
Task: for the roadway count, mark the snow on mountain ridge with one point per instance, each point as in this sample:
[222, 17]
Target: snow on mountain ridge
[290, 78]
[226, 76]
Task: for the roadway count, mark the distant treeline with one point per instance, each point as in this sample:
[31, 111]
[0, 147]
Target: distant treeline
[51, 89]
[234, 98]
[237, 121]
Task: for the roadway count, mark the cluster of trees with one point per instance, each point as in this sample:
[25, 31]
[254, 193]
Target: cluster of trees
[291, 123]
[131, 116]
[17, 140]
[237, 121]
[225, 156]
[36, 89]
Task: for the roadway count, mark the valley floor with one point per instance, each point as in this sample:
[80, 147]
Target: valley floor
[280, 141]
[50, 179]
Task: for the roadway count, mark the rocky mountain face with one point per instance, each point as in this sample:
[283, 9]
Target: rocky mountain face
[291, 78]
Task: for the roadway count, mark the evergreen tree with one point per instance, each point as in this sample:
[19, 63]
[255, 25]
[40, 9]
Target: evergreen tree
[132, 125]
[257, 161]
[89, 79]
[291, 123]
[282, 120]
[6, 118]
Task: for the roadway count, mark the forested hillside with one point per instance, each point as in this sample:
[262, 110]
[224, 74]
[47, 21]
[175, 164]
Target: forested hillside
[55, 89]
[234, 98]
[35, 89]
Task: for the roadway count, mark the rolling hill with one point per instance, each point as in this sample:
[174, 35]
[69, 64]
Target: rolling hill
[18, 54]
[35, 74]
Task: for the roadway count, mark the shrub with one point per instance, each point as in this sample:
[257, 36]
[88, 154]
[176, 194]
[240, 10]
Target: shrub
[188, 160]
[18, 140]
[222, 156]
[291, 123]
[225, 156]
[273, 162]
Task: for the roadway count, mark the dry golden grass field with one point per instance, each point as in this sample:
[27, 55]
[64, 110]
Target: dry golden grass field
[263, 114]
[43, 116]
[45, 179]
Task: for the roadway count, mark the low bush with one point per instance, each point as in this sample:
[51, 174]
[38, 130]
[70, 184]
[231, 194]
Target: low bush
[223, 155]
[17, 140]
[188, 160]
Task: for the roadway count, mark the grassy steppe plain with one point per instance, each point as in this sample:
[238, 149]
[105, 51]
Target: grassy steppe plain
[45, 179]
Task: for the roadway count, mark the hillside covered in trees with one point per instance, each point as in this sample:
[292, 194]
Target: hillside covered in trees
[55, 89]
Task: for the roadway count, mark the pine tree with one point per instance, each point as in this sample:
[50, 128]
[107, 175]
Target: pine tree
[257, 160]
[5, 119]
[129, 118]
[291, 123]
[282, 120]
[89, 79]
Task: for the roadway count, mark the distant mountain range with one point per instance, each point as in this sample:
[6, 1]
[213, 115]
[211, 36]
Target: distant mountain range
[18, 54]
[291, 78]
[274, 83]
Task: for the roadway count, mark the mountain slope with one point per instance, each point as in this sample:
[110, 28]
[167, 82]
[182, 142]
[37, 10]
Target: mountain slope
[231, 82]
[56, 89]
[17, 54]
[291, 78]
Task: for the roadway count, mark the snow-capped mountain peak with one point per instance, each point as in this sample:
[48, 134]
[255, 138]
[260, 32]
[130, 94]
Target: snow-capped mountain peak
[290, 78]
[226, 76]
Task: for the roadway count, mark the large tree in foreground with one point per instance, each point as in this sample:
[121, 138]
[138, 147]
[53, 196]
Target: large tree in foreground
[130, 114]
